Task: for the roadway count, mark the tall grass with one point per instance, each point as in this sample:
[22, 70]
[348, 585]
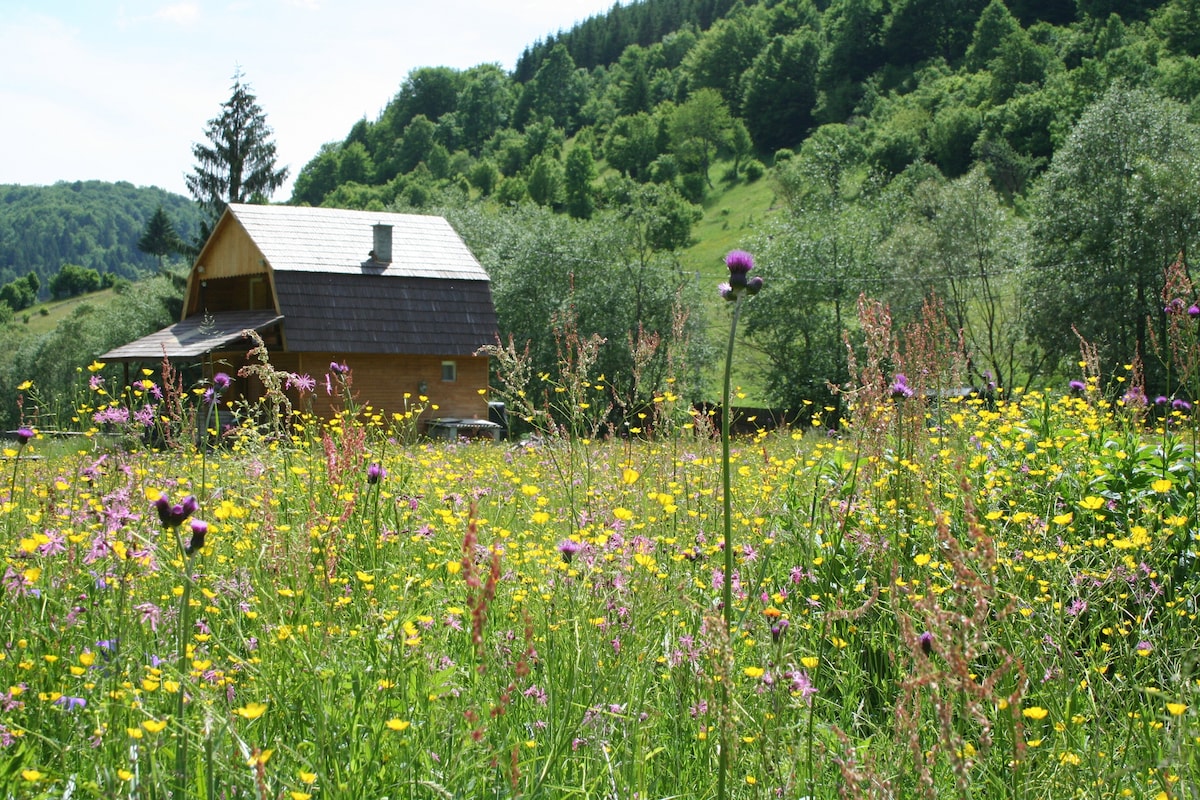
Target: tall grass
[962, 597]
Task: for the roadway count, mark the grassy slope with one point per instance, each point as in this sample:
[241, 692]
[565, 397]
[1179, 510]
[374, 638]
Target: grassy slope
[732, 216]
[58, 310]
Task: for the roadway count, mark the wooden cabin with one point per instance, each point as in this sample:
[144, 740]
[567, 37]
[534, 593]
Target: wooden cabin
[398, 298]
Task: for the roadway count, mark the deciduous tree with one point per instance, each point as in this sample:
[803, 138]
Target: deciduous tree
[779, 91]
[1103, 230]
[699, 127]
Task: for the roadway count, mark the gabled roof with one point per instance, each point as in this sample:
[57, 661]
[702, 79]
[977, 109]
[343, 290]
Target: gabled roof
[331, 240]
[194, 336]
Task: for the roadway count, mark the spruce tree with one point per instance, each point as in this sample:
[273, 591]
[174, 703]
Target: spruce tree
[237, 165]
[159, 238]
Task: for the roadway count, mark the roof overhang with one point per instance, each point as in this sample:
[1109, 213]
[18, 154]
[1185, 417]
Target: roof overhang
[195, 336]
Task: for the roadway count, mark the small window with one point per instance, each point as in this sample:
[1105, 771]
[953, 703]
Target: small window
[449, 371]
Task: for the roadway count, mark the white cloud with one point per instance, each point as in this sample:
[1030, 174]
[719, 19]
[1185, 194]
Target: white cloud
[178, 14]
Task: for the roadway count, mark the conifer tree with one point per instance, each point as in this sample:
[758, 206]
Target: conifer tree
[237, 165]
[160, 239]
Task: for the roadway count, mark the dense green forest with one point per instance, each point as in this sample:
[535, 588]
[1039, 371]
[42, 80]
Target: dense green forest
[89, 224]
[1032, 165]
[70, 239]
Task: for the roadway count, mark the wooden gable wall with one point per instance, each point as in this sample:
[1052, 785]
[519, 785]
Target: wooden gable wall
[231, 273]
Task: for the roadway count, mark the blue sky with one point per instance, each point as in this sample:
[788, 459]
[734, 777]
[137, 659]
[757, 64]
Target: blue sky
[121, 90]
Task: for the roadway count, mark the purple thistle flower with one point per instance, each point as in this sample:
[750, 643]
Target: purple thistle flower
[1194, 311]
[739, 263]
[900, 389]
[1161, 400]
[338, 368]
[199, 531]
[24, 434]
[375, 473]
[173, 515]
[568, 548]
[1179, 404]
[221, 381]
[1077, 387]
[1136, 396]
[925, 640]
[778, 629]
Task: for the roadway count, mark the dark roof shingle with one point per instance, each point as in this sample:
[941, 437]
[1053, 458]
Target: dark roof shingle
[194, 336]
[379, 314]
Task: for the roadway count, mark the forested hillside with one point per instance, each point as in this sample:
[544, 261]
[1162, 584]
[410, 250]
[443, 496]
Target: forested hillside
[91, 224]
[1031, 165]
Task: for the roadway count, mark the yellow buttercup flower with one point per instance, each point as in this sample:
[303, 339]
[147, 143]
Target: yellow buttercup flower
[251, 710]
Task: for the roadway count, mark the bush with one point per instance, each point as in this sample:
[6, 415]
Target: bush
[693, 187]
[664, 169]
[754, 170]
[511, 191]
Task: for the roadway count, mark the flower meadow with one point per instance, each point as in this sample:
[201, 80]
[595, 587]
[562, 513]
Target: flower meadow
[969, 595]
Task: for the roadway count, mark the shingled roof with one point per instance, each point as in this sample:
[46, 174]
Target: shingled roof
[379, 314]
[194, 336]
[338, 241]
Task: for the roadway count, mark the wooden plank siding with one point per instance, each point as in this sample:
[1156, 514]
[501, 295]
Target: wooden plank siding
[229, 251]
[380, 381]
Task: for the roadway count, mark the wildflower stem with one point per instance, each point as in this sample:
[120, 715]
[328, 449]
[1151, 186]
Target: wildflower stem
[185, 606]
[12, 484]
[727, 509]
[727, 578]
